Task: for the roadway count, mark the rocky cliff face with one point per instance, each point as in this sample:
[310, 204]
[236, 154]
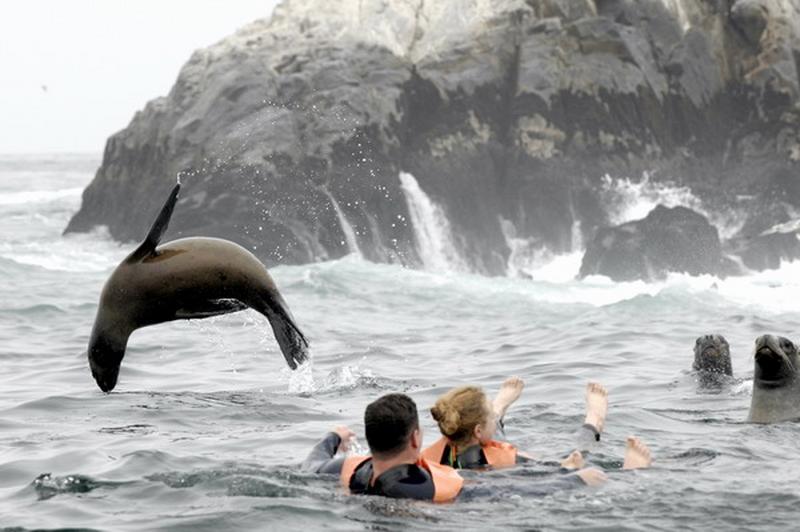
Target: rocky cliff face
[291, 134]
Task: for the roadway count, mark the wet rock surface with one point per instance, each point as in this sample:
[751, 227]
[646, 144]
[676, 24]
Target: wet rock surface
[766, 252]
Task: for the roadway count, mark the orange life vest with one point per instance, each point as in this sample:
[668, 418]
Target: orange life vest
[447, 482]
[498, 453]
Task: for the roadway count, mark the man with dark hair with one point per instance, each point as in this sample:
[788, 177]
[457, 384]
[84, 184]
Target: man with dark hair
[396, 468]
[389, 422]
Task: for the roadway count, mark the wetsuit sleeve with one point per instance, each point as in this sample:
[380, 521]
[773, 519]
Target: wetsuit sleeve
[529, 489]
[321, 458]
[586, 437]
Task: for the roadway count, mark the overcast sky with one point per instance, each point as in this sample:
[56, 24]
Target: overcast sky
[72, 72]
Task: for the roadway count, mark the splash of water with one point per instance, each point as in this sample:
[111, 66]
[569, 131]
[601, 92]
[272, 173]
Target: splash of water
[301, 380]
[530, 259]
[432, 230]
[356, 449]
[632, 200]
[524, 251]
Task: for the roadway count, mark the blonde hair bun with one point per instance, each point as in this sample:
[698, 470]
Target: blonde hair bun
[458, 411]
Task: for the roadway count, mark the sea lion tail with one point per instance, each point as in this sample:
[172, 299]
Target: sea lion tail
[148, 246]
[292, 341]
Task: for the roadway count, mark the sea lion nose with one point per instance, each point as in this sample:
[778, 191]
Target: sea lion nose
[710, 352]
[764, 352]
[106, 380]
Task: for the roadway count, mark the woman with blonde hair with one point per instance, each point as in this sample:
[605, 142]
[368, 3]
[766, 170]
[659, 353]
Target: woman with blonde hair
[468, 421]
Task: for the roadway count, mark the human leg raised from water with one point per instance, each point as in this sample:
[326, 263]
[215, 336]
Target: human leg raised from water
[596, 406]
[637, 454]
[595, 420]
[509, 392]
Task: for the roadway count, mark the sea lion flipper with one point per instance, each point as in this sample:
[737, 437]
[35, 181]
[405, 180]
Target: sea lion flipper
[148, 246]
[291, 340]
[209, 308]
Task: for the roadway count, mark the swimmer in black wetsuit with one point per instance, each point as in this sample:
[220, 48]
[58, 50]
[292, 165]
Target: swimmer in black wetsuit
[468, 422]
[396, 468]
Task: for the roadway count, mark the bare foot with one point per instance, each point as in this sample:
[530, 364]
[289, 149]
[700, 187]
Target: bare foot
[573, 461]
[596, 405]
[509, 392]
[637, 454]
[592, 476]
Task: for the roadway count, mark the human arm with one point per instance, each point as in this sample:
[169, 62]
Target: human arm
[322, 458]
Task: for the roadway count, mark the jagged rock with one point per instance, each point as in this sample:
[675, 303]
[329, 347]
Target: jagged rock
[291, 134]
[667, 240]
[765, 252]
[751, 18]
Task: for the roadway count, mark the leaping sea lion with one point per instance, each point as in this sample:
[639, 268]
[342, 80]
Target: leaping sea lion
[776, 387]
[712, 359]
[189, 278]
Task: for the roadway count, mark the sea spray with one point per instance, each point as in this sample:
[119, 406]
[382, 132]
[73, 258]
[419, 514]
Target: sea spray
[629, 200]
[301, 380]
[530, 259]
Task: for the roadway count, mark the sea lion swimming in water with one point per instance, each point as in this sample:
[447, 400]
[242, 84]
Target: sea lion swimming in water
[712, 359]
[776, 387]
[189, 278]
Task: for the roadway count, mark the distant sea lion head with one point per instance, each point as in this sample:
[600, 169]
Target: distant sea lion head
[776, 362]
[712, 355]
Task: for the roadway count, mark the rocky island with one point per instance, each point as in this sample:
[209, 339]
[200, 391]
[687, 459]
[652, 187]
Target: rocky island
[342, 126]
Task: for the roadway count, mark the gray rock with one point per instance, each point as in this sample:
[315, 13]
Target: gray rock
[667, 240]
[765, 252]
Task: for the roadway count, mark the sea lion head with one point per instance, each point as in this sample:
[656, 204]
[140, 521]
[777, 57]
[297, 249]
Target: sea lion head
[776, 362]
[712, 355]
[106, 350]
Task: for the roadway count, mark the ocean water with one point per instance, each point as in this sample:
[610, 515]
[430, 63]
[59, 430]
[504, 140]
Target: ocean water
[207, 426]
